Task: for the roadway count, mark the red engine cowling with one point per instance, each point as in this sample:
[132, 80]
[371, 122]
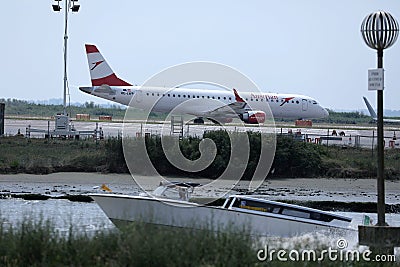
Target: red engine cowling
[254, 117]
[227, 120]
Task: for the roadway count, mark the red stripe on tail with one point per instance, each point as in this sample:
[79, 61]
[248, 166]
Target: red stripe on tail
[91, 49]
[111, 80]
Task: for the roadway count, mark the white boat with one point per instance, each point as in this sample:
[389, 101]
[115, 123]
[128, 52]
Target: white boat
[169, 206]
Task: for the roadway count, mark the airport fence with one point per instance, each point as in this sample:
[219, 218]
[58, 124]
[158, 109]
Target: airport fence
[358, 141]
[328, 137]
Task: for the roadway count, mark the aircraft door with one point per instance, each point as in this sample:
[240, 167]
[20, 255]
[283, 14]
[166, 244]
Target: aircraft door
[139, 96]
[304, 104]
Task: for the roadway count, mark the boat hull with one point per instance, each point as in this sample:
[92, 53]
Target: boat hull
[122, 208]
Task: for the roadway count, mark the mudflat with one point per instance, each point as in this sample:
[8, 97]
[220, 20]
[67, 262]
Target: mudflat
[312, 189]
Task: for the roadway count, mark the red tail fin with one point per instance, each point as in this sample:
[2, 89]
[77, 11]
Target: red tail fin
[100, 72]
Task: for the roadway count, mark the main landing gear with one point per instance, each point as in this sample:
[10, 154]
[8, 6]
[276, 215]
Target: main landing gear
[198, 121]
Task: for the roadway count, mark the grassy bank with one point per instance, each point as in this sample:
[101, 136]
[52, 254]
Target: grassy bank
[292, 158]
[42, 156]
[40, 244]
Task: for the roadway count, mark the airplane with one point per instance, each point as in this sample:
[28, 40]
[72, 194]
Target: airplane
[217, 105]
[373, 114]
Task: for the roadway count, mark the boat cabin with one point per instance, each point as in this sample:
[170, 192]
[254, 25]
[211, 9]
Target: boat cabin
[279, 209]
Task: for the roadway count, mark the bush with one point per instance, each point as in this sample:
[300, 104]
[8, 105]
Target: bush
[297, 159]
[292, 158]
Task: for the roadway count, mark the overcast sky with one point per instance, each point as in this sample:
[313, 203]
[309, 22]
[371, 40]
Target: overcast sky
[310, 47]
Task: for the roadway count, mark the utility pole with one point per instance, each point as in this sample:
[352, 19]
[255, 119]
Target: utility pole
[70, 5]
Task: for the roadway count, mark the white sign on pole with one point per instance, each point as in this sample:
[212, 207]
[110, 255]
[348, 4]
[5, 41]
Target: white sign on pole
[375, 79]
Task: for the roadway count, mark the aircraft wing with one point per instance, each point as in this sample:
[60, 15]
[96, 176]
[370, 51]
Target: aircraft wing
[231, 110]
[370, 109]
[391, 120]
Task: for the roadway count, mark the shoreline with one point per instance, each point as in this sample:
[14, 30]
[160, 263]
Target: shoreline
[294, 189]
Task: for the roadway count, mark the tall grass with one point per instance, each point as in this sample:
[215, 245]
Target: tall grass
[40, 244]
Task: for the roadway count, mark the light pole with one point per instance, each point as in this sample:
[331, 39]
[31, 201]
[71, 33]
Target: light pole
[69, 5]
[380, 31]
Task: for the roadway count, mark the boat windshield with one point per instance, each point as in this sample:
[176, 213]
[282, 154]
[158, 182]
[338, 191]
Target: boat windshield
[172, 191]
[283, 209]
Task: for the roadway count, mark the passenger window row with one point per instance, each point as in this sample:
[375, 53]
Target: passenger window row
[190, 96]
[219, 97]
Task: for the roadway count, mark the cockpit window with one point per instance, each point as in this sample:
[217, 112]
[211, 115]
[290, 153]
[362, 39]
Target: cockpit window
[314, 102]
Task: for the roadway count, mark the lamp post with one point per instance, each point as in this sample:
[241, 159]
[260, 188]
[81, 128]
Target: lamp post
[69, 5]
[380, 31]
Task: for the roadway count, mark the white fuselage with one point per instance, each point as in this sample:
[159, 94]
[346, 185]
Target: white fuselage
[198, 101]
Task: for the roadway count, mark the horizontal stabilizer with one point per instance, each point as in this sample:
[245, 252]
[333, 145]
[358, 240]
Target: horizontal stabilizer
[105, 89]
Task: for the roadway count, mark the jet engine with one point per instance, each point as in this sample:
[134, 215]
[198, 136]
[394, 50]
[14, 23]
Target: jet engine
[253, 117]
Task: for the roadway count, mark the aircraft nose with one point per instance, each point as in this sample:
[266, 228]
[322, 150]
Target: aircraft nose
[87, 90]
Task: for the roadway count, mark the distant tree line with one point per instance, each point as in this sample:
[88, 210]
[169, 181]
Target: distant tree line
[353, 117]
[24, 108]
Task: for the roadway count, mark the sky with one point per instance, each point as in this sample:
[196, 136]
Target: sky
[309, 47]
